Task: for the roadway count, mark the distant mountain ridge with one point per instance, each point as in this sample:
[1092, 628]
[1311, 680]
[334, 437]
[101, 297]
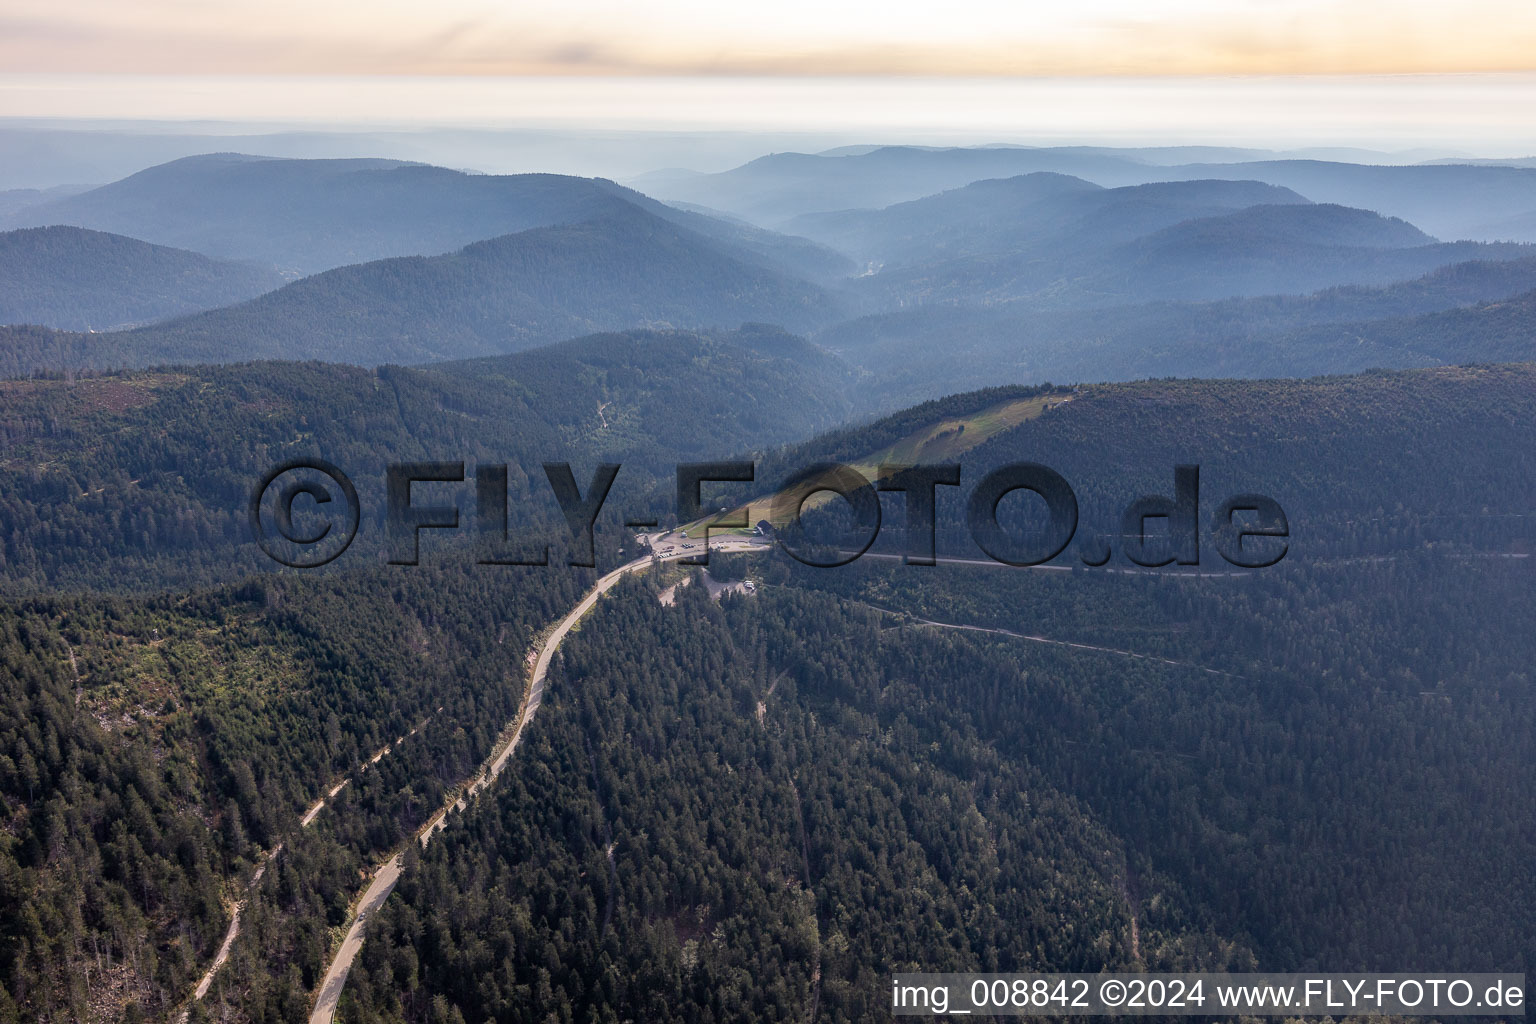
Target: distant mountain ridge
[590, 256]
[312, 215]
[1291, 249]
[623, 269]
[76, 279]
[176, 451]
[1057, 242]
[1040, 211]
[756, 385]
[1449, 200]
[1467, 312]
[1503, 331]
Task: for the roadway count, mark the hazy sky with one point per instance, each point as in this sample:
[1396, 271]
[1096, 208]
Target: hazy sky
[1384, 73]
[1488, 115]
[791, 37]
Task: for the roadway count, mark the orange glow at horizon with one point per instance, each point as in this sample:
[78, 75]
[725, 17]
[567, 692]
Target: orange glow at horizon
[791, 37]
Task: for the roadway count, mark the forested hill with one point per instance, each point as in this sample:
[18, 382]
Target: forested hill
[1041, 211]
[1286, 249]
[1449, 200]
[1497, 331]
[969, 283]
[1047, 241]
[1363, 464]
[141, 479]
[1338, 330]
[147, 474]
[625, 269]
[695, 395]
[156, 749]
[732, 802]
[1313, 764]
[311, 215]
[82, 280]
[156, 753]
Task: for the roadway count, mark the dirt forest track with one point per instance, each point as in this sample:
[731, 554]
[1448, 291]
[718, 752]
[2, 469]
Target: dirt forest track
[233, 932]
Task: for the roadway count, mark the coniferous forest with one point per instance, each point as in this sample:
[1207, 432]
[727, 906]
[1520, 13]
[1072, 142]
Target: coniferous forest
[1268, 705]
[760, 806]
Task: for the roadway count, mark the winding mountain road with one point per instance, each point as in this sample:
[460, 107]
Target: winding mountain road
[666, 547]
[387, 875]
